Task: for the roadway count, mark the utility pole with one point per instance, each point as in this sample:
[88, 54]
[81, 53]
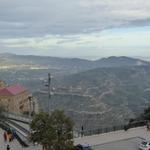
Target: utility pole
[49, 91]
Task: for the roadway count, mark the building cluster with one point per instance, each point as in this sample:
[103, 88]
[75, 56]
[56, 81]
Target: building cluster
[15, 98]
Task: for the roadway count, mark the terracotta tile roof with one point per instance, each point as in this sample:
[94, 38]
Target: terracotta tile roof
[12, 90]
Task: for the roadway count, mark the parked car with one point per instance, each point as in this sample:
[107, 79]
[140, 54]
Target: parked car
[145, 145]
[82, 147]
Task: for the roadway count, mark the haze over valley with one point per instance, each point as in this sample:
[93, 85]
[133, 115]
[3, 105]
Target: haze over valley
[107, 91]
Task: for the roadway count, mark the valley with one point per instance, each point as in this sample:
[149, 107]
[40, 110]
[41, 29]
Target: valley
[107, 96]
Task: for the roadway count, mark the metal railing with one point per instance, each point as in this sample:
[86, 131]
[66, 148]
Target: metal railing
[10, 122]
[87, 132]
[22, 140]
[19, 117]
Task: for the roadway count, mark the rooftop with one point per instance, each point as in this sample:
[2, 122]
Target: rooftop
[12, 90]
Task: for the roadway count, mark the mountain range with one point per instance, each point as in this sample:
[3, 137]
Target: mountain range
[107, 91]
[72, 64]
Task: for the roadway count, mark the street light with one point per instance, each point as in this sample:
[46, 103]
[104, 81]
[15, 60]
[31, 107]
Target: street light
[7, 110]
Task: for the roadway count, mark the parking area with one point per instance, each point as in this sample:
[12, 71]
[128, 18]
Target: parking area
[128, 144]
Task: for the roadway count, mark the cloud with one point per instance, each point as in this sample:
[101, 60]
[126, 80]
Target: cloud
[74, 27]
[129, 42]
[41, 17]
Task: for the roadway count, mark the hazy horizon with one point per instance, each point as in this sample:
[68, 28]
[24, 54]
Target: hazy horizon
[90, 59]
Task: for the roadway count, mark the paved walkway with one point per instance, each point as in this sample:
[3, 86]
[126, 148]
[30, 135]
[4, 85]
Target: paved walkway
[15, 145]
[114, 136]
[140, 132]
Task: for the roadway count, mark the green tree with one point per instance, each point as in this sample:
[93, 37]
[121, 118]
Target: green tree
[53, 132]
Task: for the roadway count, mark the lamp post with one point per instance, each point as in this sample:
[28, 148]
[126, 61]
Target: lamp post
[7, 110]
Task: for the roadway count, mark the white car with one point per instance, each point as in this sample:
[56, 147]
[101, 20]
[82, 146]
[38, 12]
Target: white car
[145, 145]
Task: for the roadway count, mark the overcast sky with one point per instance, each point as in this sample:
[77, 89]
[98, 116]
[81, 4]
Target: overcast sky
[75, 28]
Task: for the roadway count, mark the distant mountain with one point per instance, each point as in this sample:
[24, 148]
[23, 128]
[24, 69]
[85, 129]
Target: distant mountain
[120, 61]
[69, 64]
[43, 61]
[122, 92]
[123, 74]
[105, 91]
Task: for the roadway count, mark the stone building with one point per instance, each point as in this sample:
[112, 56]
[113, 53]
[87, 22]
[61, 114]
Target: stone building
[15, 98]
[2, 84]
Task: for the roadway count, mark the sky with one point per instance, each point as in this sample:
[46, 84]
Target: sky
[88, 29]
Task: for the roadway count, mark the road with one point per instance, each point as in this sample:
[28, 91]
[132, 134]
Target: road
[129, 144]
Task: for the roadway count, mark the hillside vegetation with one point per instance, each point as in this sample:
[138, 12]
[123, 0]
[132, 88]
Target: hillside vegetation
[107, 92]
